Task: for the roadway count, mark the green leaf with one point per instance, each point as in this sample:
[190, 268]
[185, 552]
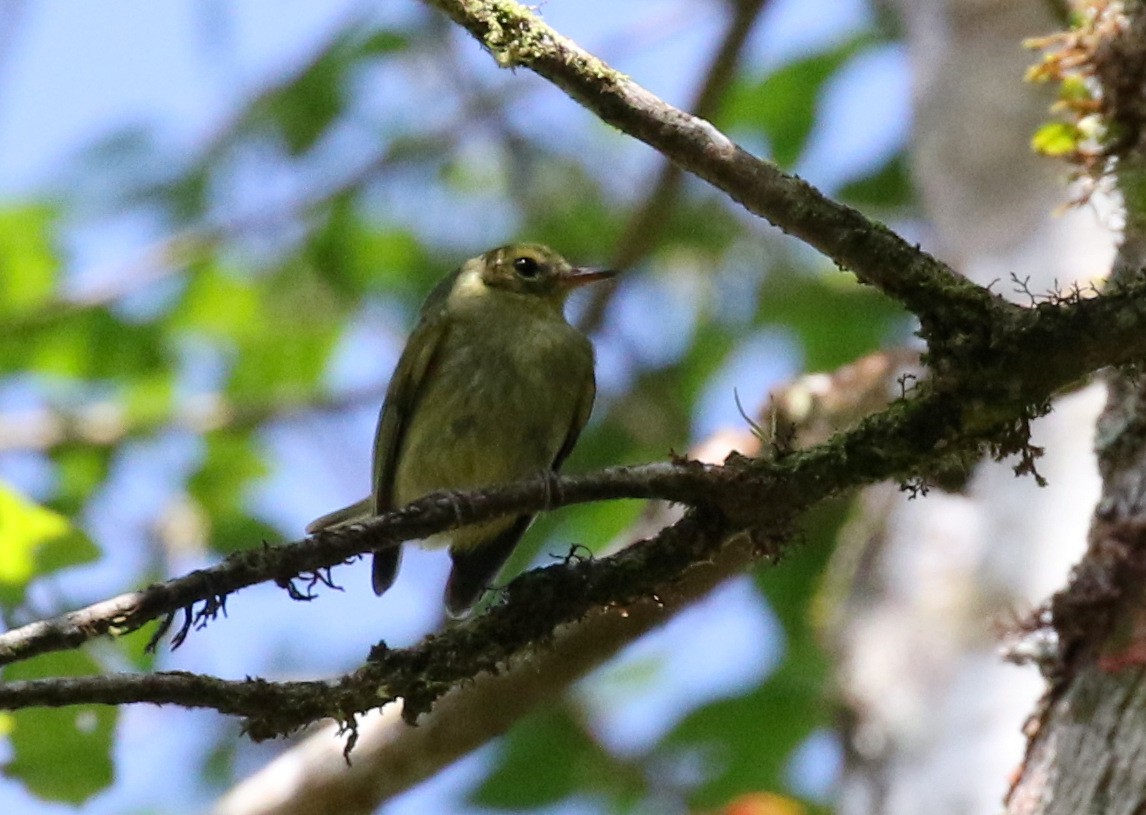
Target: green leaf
[1075, 89]
[280, 328]
[220, 486]
[783, 104]
[219, 303]
[231, 462]
[746, 742]
[1057, 139]
[286, 364]
[563, 205]
[236, 530]
[149, 400]
[355, 256]
[385, 41]
[701, 223]
[889, 187]
[573, 531]
[304, 107]
[28, 261]
[835, 319]
[80, 470]
[544, 759]
[35, 541]
[303, 110]
[90, 344]
[60, 754]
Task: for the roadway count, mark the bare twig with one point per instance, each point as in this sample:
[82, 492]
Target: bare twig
[106, 424]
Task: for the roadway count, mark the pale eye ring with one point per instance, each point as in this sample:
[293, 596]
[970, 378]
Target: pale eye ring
[526, 267]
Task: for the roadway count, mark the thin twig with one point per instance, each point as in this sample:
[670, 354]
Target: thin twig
[649, 219]
[107, 424]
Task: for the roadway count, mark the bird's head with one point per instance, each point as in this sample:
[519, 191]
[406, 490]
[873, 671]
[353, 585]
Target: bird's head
[530, 270]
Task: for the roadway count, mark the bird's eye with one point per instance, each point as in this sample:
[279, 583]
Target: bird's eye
[526, 267]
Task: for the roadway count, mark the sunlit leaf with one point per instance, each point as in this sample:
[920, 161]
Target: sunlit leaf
[1075, 89]
[1057, 139]
[35, 541]
[220, 303]
[763, 803]
[148, 400]
[28, 261]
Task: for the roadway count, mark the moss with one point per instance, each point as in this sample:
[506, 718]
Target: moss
[515, 36]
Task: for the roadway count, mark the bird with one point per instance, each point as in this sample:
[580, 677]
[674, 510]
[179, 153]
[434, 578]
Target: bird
[494, 385]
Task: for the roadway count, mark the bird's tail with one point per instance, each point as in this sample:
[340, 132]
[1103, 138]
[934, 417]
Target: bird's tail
[356, 512]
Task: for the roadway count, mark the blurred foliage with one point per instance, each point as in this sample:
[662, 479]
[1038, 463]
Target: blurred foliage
[550, 757]
[28, 262]
[244, 303]
[782, 106]
[306, 105]
[835, 320]
[37, 542]
[889, 188]
[61, 754]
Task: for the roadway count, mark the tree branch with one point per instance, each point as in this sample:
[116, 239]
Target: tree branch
[390, 757]
[945, 303]
[990, 405]
[283, 563]
[1084, 750]
[535, 604]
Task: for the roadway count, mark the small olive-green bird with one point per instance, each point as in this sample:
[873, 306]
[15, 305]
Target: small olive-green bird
[493, 386]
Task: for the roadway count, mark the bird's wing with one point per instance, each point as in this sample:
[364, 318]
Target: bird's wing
[401, 396]
[580, 416]
[407, 385]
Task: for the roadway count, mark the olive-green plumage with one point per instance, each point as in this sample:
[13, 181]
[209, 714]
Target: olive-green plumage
[493, 386]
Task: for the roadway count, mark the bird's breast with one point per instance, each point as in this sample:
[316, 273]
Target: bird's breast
[497, 406]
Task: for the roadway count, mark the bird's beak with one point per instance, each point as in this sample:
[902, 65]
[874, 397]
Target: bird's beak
[578, 276]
